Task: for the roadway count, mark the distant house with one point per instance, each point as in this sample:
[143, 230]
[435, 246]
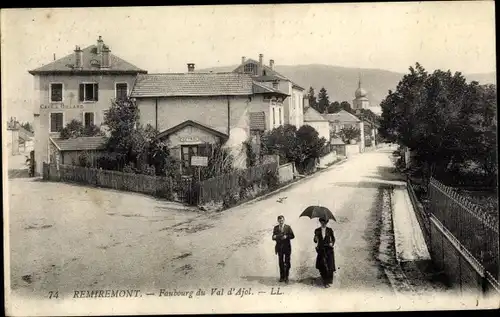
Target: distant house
[78, 86]
[342, 119]
[19, 140]
[268, 76]
[193, 108]
[314, 119]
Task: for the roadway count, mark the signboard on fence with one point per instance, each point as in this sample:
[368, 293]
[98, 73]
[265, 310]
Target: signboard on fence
[199, 160]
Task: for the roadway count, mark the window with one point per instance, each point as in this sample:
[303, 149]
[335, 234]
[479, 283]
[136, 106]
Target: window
[88, 118]
[89, 92]
[279, 115]
[250, 68]
[56, 121]
[188, 151]
[121, 91]
[274, 116]
[56, 92]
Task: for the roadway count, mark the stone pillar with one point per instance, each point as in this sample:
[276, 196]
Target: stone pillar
[362, 137]
[374, 136]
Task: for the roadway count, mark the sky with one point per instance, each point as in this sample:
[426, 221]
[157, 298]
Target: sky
[447, 35]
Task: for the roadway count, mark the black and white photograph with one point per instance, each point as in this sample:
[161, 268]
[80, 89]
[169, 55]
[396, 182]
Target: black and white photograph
[266, 158]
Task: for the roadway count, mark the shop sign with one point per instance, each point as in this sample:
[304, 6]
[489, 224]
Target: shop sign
[199, 160]
[61, 106]
[189, 139]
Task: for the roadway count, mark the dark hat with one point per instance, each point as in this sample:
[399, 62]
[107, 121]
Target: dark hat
[323, 220]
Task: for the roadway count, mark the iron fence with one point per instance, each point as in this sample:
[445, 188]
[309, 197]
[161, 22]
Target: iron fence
[476, 230]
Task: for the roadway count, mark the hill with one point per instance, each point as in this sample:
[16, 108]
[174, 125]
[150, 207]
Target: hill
[341, 82]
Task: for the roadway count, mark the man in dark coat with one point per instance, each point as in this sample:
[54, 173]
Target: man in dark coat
[282, 234]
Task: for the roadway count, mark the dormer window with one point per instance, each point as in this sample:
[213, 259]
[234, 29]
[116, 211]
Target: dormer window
[250, 68]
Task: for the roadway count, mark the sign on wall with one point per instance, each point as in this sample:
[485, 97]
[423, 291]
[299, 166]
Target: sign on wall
[61, 106]
[199, 161]
[189, 139]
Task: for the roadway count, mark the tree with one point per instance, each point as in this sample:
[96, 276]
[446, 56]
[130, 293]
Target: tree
[281, 141]
[27, 126]
[334, 107]
[323, 101]
[344, 105]
[309, 144]
[75, 129]
[447, 122]
[138, 145]
[312, 98]
[349, 133]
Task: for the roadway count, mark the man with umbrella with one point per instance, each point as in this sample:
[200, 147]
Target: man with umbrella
[282, 234]
[325, 240]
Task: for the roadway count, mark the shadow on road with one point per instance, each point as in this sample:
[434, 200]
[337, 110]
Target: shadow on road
[372, 185]
[18, 173]
[274, 281]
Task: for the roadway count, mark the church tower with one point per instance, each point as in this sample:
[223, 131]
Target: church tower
[361, 101]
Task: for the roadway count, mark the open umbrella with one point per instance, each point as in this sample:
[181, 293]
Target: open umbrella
[317, 212]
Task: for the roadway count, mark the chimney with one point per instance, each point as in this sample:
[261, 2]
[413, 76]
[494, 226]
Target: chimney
[78, 57]
[105, 59]
[261, 59]
[100, 44]
[271, 64]
[190, 67]
[242, 59]
[54, 56]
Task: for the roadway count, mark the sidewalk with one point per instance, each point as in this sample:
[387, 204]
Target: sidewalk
[409, 239]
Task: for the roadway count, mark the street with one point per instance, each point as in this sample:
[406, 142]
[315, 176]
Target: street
[66, 237]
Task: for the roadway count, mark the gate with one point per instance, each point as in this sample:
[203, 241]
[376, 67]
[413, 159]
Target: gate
[187, 190]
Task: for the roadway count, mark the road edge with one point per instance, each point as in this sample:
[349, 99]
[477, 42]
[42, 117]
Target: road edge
[290, 184]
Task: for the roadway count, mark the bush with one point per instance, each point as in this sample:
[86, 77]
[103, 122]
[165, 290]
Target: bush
[110, 161]
[271, 179]
[349, 133]
[250, 153]
[129, 168]
[84, 160]
[75, 129]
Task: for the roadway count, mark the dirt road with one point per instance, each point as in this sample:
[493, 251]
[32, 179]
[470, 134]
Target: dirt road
[66, 237]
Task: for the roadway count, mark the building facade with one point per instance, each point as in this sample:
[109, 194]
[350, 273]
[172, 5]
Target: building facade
[314, 119]
[193, 108]
[79, 86]
[268, 76]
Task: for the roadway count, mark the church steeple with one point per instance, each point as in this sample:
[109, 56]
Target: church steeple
[359, 80]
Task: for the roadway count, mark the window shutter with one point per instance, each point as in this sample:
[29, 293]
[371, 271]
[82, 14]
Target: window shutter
[53, 122]
[96, 92]
[82, 91]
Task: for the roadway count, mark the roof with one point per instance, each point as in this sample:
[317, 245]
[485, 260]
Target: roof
[80, 143]
[192, 84]
[259, 88]
[271, 74]
[195, 124]
[341, 116]
[257, 121]
[66, 64]
[311, 114]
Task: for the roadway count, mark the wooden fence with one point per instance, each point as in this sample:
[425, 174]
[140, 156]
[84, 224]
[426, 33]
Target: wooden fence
[152, 185]
[215, 189]
[475, 230]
